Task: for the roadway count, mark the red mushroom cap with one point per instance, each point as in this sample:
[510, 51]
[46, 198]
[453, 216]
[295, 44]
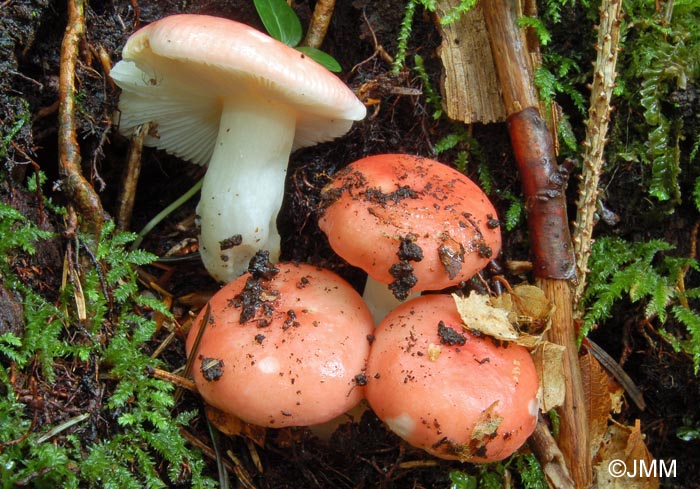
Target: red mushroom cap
[410, 221]
[284, 349]
[456, 395]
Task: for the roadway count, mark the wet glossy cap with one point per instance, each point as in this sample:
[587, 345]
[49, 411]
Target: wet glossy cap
[410, 221]
[284, 348]
[442, 389]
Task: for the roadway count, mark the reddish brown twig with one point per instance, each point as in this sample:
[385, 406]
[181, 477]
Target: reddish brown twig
[544, 184]
[78, 190]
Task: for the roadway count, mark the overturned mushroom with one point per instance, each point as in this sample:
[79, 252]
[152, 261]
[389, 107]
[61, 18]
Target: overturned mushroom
[224, 94]
[445, 390]
[411, 223]
[284, 346]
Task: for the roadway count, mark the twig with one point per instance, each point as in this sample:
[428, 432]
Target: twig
[37, 179]
[323, 11]
[130, 181]
[550, 457]
[176, 380]
[81, 194]
[596, 133]
[206, 449]
[544, 185]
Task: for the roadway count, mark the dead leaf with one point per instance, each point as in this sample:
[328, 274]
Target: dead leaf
[485, 430]
[487, 425]
[603, 396]
[479, 315]
[232, 426]
[529, 307]
[624, 462]
[548, 358]
[498, 316]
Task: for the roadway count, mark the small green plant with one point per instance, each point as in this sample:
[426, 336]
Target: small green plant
[283, 24]
[660, 58]
[490, 476]
[22, 119]
[642, 273]
[690, 429]
[144, 448]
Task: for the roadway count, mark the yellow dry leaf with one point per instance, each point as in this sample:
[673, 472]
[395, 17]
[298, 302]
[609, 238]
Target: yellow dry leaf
[490, 317]
[548, 358]
[478, 315]
[486, 426]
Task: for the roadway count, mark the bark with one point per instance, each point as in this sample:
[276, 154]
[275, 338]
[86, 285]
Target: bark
[469, 85]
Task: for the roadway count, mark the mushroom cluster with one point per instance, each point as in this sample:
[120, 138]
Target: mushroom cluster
[443, 389]
[221, 93]
[292, 344]
[285, 345]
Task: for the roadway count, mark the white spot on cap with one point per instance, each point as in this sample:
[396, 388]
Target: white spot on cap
[533, 407]
[333, 368]
[269, 365]
[403, 425]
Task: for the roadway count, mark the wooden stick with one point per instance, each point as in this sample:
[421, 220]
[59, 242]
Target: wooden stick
[130, 180]
[550, 457]
[320, 21]
[544, 184]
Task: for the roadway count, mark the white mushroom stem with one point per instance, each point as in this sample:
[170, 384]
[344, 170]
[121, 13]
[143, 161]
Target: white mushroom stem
[380, 299]
[244, 184]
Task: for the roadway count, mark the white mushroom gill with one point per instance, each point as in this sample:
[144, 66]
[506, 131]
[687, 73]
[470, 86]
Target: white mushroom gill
[244, 184]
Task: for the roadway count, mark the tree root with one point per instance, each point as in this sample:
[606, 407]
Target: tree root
[81, 194]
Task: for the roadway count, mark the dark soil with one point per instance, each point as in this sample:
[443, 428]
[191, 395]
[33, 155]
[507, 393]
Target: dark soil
[362, 454]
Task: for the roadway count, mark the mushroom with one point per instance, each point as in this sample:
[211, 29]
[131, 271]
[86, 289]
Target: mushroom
[409, 222]
[223, 93]
[285, 345]
[454, 394]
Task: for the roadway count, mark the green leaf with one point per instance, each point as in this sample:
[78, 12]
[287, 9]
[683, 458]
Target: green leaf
[461, 480]
[324, 59]
[448, 142]
[280, 20]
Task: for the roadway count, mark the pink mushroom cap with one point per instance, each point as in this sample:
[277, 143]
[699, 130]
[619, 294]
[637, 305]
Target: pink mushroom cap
[441, 388]
[296, 357]
[403, 217]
